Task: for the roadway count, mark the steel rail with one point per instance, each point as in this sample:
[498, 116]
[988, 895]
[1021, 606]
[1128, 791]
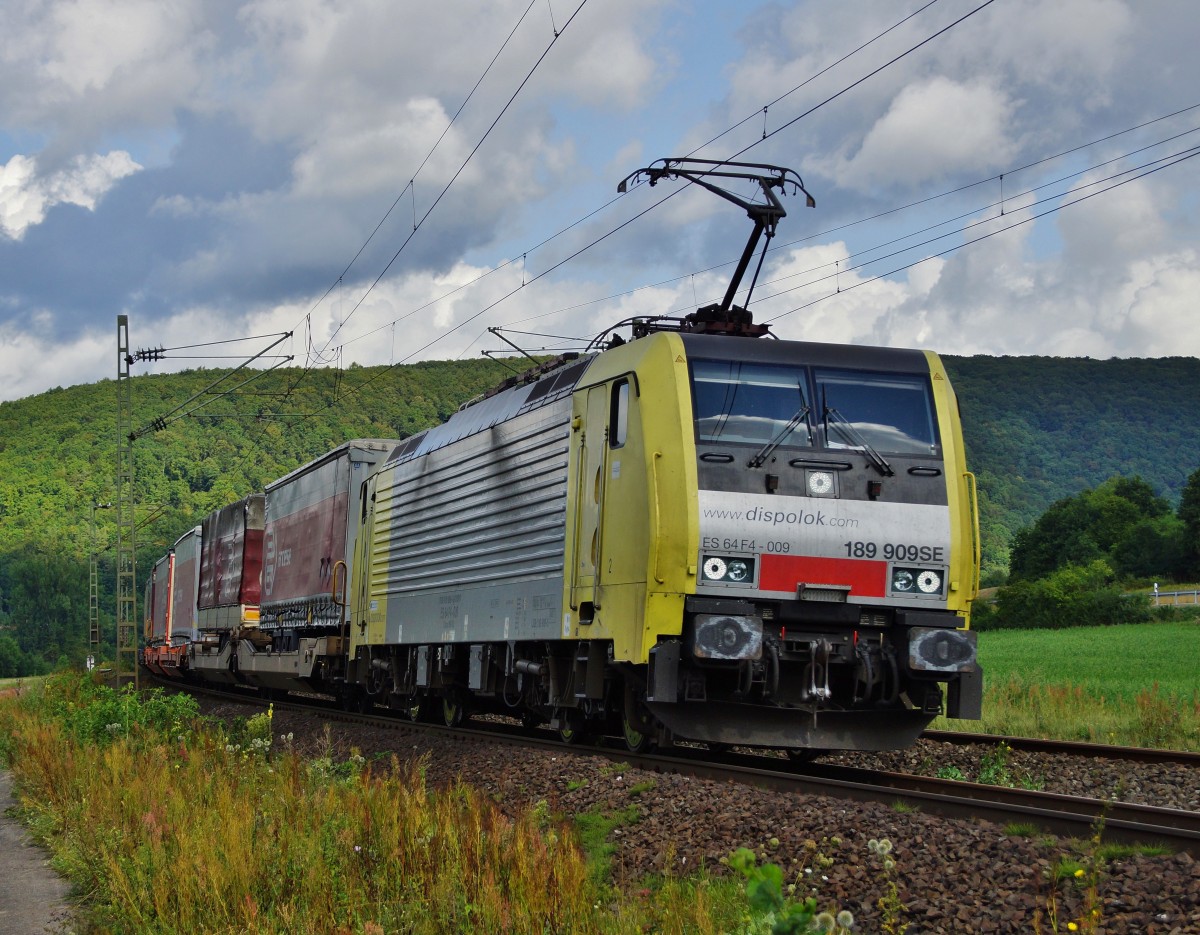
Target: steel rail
[1071, 747]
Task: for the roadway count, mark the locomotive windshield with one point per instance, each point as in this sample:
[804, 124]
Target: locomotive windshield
[735, 401]
[758, 403]
[892, 412]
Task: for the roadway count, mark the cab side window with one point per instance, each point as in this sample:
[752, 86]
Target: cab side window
[618, 419]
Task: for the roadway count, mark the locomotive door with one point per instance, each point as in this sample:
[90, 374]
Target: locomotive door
[589, 497]
[610, 543]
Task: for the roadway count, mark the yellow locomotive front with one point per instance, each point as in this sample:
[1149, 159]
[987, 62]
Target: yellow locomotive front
[776, 537]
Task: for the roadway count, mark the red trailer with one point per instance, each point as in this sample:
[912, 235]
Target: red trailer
[231, 566]
[281, 634]
[309, 536]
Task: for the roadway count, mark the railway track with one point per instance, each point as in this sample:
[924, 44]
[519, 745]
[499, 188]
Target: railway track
[1068, 815]
[1071, 747]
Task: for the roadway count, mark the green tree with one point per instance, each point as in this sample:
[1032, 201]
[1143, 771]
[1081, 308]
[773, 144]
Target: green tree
[1123, 522]
[1151, 549]
[1071, 596]
[1189, 516]
[12, 661]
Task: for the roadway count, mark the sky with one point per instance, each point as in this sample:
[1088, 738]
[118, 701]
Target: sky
[388, 181]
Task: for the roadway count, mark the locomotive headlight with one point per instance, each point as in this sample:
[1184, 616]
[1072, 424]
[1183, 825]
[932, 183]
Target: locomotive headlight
[925, 582]
[728, 569]
[930, 582]
[820, 483]
[738, 570]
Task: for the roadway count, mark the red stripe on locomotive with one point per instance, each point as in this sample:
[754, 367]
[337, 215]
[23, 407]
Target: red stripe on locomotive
[785, 572]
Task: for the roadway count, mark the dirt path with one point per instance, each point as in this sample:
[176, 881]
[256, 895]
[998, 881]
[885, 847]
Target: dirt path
[33, 898]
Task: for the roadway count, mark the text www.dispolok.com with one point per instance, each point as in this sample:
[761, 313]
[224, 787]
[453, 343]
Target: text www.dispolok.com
[784, 517]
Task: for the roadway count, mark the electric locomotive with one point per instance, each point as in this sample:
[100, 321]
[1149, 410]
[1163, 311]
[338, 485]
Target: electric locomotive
[692, 535]
[700, 533]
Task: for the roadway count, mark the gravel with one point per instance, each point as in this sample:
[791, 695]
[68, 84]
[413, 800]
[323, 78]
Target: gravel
[951, 875]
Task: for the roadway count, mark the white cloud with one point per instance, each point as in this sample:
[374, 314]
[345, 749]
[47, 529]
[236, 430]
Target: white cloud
[932, 128]
[25, 197]
[98, 42]
[31, 364]
[1160, 300]
[82, 69]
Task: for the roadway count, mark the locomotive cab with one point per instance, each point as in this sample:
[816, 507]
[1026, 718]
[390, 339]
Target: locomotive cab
[836, 561]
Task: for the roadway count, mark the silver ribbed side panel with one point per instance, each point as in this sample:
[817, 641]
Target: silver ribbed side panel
[469, 537]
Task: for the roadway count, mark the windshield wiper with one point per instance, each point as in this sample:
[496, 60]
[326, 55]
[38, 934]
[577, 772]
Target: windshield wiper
[851, 434]
[765, 451]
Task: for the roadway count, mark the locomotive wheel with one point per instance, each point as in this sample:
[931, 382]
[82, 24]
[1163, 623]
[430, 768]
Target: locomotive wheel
[453, 709]
[421, 709]
[803, 754]
[635, 740]
[573, 735]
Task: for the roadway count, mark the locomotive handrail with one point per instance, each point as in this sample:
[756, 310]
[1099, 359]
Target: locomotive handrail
[333, 583]
[578, 534]
[974, 493]
[657, 515]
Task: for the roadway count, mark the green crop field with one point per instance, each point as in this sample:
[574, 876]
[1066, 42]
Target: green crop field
[1137, 684]
[1113, 662]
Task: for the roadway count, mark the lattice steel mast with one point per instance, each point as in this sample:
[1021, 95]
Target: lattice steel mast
[126, 584]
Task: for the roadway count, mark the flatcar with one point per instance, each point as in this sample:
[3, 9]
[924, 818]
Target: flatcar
[700, 533]
[170, 603]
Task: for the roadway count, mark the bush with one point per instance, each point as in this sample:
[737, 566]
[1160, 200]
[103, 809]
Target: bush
[92, 711]
[1072, 596]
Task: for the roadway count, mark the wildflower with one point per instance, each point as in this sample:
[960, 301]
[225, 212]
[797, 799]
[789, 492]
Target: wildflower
[1072, 927]
[1078, 873]
[824, 922]
[774, 842]
[845, 918]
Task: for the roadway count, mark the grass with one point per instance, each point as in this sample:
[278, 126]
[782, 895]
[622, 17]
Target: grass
[166, 824]
[28, 681]
[1133, 685]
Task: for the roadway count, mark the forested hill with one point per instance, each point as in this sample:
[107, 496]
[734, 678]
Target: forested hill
[1042, 428]
[1037, 429]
